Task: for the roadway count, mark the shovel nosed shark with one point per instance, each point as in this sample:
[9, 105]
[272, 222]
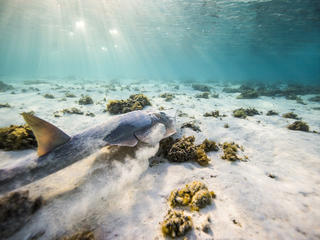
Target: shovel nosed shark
[57, 150]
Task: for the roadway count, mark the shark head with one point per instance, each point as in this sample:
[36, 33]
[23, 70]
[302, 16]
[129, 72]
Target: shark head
[168, 119]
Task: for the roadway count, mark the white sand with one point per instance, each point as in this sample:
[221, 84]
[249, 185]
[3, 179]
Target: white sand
[126, 199]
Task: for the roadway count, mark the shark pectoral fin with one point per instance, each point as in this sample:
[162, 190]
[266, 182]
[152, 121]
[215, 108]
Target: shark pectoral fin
[129, 142]
[152, 135]
[48, 136]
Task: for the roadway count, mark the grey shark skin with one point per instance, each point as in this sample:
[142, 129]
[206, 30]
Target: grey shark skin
[122, 130]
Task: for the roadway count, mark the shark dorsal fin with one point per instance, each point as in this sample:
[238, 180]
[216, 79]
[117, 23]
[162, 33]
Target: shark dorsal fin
[48, 136]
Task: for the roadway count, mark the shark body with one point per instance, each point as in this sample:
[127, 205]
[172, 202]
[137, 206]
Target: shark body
[56, 150]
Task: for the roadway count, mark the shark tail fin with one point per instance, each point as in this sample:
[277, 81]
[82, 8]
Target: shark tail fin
[48, 136]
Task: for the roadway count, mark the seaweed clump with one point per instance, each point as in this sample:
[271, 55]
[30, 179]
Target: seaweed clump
[85, 100]
[195, 195]
[134, 102]
[84, 235]
[290, 115]
[230, 150]
[299, 126]
[16, 209]
[17, 138]
[243, 113]
[176, 224]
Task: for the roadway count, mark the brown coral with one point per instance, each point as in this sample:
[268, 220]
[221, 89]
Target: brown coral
[184, 149]
[134, 102]
[17, 138]
[176, 224]
[208, 146]
[195, 195]
[230, 150]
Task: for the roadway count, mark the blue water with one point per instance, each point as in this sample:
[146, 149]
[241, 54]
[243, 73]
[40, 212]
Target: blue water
[200, 40]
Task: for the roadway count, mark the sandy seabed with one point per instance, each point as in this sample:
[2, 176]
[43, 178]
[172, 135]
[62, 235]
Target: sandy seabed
[120, 196]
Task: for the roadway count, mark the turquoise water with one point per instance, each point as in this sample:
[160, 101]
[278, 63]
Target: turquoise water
[200, 40]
